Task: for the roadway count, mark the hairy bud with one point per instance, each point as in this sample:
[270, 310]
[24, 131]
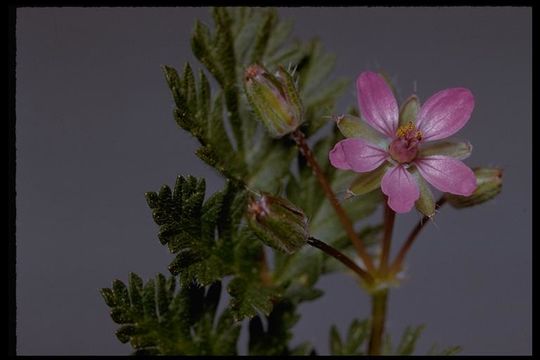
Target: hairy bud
[489, 184]
[278, 223]
[274, 98]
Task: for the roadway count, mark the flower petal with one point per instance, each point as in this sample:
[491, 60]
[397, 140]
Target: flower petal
[378, 105]
[454, 148]
[445, 113]
[401, 188]
[447, 174]
[357, 155]
[354, 127]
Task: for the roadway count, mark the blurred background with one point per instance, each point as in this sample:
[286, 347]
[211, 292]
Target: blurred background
[94, 131]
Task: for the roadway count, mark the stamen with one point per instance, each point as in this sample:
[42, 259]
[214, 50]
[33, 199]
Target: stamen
[409, 131]
[404, 130]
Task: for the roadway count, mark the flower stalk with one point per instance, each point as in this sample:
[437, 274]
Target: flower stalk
[305, 150]
[398, 261]
[389, 220]
[379, 302]
[344, 259]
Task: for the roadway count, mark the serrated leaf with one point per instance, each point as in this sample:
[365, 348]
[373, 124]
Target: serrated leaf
[120, 292]
[275, 338]
[451, 350]
[181, 324]
[191, 228]
[358, 333]
[336, 346]
[108, 296]
[408, 340]
[352, 343]
[136, 294]
[262, 37]
[149, 300]
[249, 297]
[240, 37]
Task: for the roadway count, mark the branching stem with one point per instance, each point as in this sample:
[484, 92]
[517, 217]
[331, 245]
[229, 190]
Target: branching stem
[398, 261]
[305, 150]
[344, 259]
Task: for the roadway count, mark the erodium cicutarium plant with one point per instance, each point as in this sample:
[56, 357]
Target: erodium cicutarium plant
[254, 106]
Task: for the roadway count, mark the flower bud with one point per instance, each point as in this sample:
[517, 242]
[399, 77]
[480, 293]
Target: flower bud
[274, 98]
[278, 223]
[489, 184]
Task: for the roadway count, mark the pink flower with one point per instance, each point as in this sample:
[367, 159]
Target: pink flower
[401, 153]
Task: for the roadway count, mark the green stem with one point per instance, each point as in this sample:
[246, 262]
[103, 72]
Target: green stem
[344, 259]
[378, 316]
[398, 261]
[305, 150]
[389, 220]
[266, 277]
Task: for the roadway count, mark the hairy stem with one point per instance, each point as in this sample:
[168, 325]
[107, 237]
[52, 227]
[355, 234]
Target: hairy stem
[389, 219]
[305, 150]
[378, 316]
[398, 261]
[344, 259]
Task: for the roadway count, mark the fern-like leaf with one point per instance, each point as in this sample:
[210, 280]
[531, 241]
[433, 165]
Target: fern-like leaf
[156, 319]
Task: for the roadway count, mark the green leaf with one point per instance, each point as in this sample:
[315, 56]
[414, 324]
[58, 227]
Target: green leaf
[263, 35]
[451, 350]
[358, 333]
[408, 340]
[173, 322]
[249, 297]
[191, 228]
[336, 347]
[355, 339]
[240, 37]
[275, 338]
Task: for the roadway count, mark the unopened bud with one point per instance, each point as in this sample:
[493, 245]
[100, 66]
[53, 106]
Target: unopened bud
[489, 184]
[278, 223]
[274, 98]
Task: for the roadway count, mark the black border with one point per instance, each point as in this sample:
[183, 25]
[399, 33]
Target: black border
[12, 14]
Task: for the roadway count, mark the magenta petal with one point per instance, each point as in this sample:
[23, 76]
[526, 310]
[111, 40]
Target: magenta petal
[337, 157]
[357, 155]
[401, 188]
[378, 105]
[447, 174]
[445, 113]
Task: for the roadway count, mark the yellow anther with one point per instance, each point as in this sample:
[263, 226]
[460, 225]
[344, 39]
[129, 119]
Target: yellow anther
[404, 130]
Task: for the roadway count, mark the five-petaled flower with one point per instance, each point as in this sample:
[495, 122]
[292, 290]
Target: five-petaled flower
[399, 154]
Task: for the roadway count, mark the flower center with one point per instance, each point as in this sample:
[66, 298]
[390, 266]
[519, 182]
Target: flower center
[405, 147]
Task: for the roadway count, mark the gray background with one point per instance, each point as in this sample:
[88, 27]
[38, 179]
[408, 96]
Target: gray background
[95, 131]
